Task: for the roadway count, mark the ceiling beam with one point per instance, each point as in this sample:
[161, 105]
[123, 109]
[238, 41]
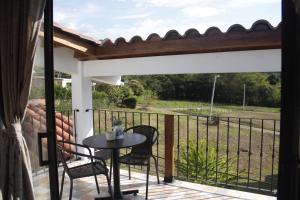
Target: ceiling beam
[267, 60]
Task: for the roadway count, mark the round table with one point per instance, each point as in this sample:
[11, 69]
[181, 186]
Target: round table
[100, 142]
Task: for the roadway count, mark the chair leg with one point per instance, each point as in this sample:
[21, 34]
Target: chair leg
[147, 180]
[129, 172]
[110, 169]
[156, 168]
[98, 190]
[109, 186]
[71, 189]
[62, 184]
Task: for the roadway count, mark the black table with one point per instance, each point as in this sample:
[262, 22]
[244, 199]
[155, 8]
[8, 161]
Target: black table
[100, 142]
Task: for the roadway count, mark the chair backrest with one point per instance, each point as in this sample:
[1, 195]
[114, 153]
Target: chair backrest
[63, 156]
[67, 150]
[151, 135]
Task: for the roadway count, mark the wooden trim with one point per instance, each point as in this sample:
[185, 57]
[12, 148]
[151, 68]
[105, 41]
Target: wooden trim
[169, 148]
[82, 48]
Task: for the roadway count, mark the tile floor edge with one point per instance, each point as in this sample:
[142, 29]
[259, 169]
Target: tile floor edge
[205, 188]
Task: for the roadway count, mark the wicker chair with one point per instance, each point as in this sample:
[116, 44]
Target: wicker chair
[141, 154]
[65, 151]
[105, 154]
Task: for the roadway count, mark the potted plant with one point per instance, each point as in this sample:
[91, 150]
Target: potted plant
[118, 128]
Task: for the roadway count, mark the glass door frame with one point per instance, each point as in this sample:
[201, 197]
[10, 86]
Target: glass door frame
[49, 94]
[289, 22]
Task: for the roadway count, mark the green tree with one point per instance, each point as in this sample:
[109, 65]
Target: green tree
[262, 89]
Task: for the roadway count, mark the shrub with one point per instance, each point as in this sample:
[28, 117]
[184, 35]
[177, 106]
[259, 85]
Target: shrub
[100, 100]
[198, 158]
[130, 102]
[117, 94]
[136, 87]
[62, 93]
[63, 97]
[147, 98]
[99, 95]
[125, 92]
[63, 105]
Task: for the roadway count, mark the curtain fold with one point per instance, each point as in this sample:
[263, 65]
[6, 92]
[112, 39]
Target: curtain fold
[19, 25]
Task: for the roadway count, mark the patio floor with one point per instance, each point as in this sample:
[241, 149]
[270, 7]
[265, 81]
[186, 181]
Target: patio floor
[85, 189]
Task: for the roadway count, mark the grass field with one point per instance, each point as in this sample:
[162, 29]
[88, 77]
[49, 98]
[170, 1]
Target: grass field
[193, 104]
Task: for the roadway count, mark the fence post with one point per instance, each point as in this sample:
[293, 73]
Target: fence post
[169, 148]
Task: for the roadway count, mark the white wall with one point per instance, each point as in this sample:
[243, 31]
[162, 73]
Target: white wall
[64, 60]
[220, 62]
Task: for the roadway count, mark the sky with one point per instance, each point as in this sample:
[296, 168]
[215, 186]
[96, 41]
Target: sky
[111, 19]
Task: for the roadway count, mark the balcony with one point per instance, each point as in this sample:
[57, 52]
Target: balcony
[86, 189]
[227, 158]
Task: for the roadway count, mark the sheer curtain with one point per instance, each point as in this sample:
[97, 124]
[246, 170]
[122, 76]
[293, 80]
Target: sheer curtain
[19, 26]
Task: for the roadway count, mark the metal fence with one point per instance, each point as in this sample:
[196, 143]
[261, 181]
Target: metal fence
[228, 151]
[239, 153]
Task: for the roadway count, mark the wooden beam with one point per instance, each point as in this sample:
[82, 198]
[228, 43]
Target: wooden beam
[169, 148]
[80, 47]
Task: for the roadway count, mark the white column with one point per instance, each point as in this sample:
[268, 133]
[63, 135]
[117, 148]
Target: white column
[82, 100]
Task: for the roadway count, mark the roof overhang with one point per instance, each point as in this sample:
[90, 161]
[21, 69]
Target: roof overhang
[82, 45]
[262, 35]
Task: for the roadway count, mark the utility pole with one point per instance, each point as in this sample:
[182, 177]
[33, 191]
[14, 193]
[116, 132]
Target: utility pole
[212, 97]
[244, 99]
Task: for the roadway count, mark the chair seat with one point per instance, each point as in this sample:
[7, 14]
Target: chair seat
[87, 170]
[134, 159]
[105, 154]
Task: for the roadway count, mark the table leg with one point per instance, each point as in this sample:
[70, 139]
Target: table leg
[117, 193]
[116, 173]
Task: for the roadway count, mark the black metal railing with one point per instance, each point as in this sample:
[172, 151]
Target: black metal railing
[233, 152]
[68, 127]
[239, 153]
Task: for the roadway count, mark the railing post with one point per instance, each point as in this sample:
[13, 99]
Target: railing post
[169, 148]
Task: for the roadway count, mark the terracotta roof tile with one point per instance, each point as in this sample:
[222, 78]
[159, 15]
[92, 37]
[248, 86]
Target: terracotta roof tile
[36, 116]
[260, 25]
